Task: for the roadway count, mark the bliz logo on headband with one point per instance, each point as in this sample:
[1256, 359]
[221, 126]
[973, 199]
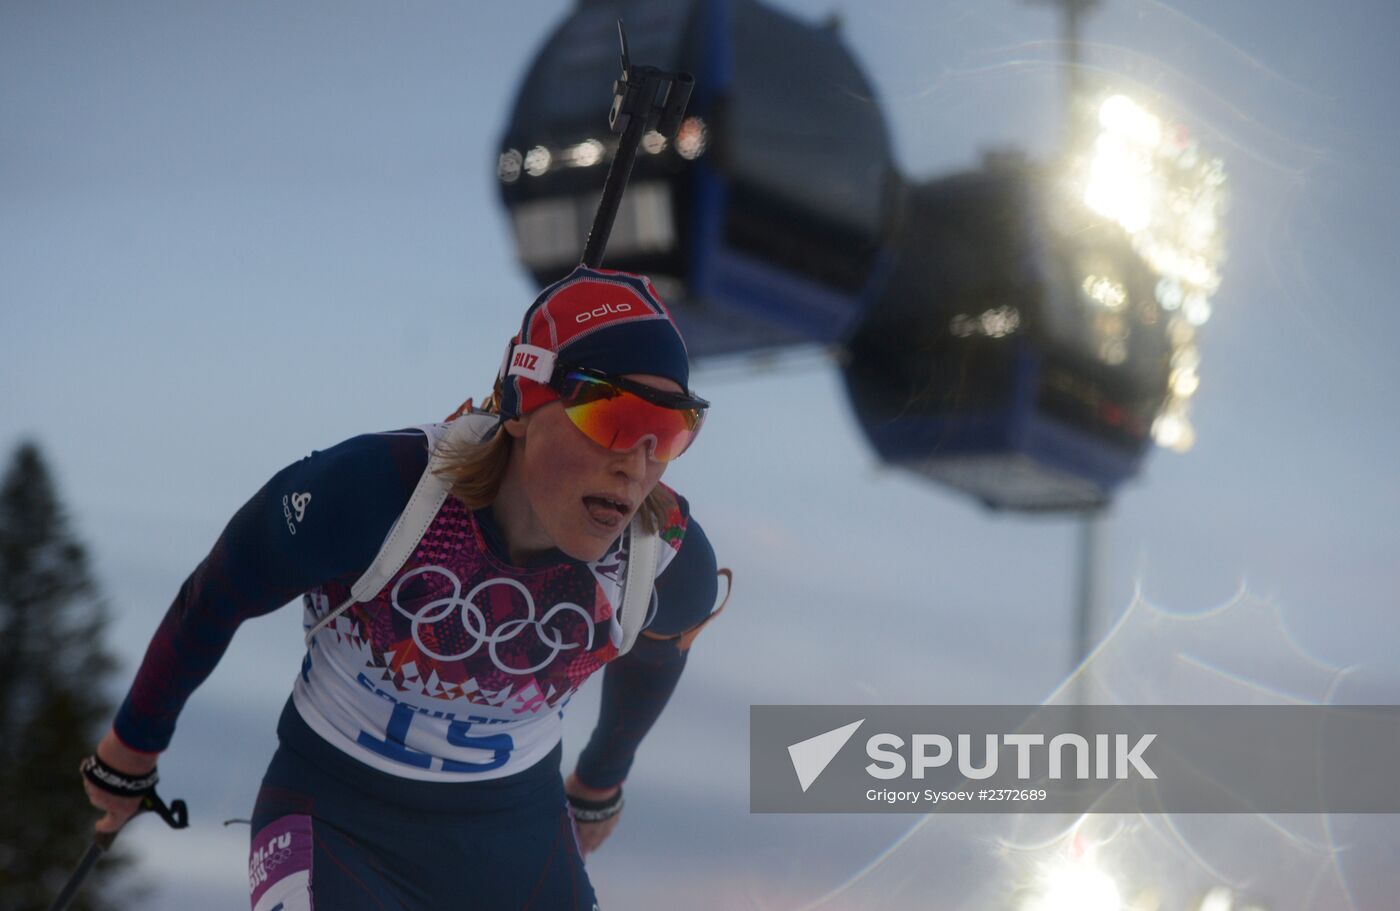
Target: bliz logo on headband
[532, 362]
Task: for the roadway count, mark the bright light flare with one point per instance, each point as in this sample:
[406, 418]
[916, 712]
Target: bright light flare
[692, 138]
[1120, 184]
[1184, 383]
[995, 323]
[1076, 885]
[508, 166]
[653, 143]
[1147, 175]
[1196, 309]
[1106, 291]
[1173, 430]
[1169, 293]
[1120, 116]
[1217, 899]
[537, 161]
[582, 155]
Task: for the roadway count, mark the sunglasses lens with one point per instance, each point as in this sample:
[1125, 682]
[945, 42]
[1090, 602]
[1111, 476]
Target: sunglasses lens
[617, 419]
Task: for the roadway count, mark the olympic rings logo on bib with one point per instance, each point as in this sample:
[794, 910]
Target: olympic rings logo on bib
[474, 621]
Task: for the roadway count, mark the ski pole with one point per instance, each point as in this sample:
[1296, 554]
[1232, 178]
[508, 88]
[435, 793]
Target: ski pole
[100, 843]
[635, 109]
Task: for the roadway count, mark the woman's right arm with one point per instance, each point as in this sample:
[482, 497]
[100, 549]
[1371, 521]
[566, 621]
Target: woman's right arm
[319, 519]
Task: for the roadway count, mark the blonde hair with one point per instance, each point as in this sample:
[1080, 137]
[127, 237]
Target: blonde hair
[476, 470]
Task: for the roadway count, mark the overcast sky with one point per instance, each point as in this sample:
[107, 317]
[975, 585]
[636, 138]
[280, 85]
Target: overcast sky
[232, 233]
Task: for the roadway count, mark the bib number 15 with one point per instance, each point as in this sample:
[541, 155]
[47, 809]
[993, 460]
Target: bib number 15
[393, 746]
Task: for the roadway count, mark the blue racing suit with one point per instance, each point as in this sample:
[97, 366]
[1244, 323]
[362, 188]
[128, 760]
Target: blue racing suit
[418, 764]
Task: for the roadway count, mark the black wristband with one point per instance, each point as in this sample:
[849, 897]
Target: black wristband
[586, 810]
[117, 782]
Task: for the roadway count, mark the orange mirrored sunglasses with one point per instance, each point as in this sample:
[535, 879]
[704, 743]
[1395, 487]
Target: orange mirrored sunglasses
[618, 414]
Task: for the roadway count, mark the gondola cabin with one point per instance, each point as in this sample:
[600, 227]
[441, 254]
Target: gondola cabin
[1018, 353]
[761, 221]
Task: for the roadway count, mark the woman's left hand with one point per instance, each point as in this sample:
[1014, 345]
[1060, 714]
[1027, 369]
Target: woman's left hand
[591, 834]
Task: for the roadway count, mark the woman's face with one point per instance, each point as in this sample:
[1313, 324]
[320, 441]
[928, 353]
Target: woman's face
[580, 495]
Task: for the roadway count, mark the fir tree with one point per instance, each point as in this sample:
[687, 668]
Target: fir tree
[53, 707]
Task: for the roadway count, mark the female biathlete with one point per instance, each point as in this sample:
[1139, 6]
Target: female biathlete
[418, 764]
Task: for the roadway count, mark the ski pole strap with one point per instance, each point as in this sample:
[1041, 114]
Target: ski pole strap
[585, 810]
[115, 781]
